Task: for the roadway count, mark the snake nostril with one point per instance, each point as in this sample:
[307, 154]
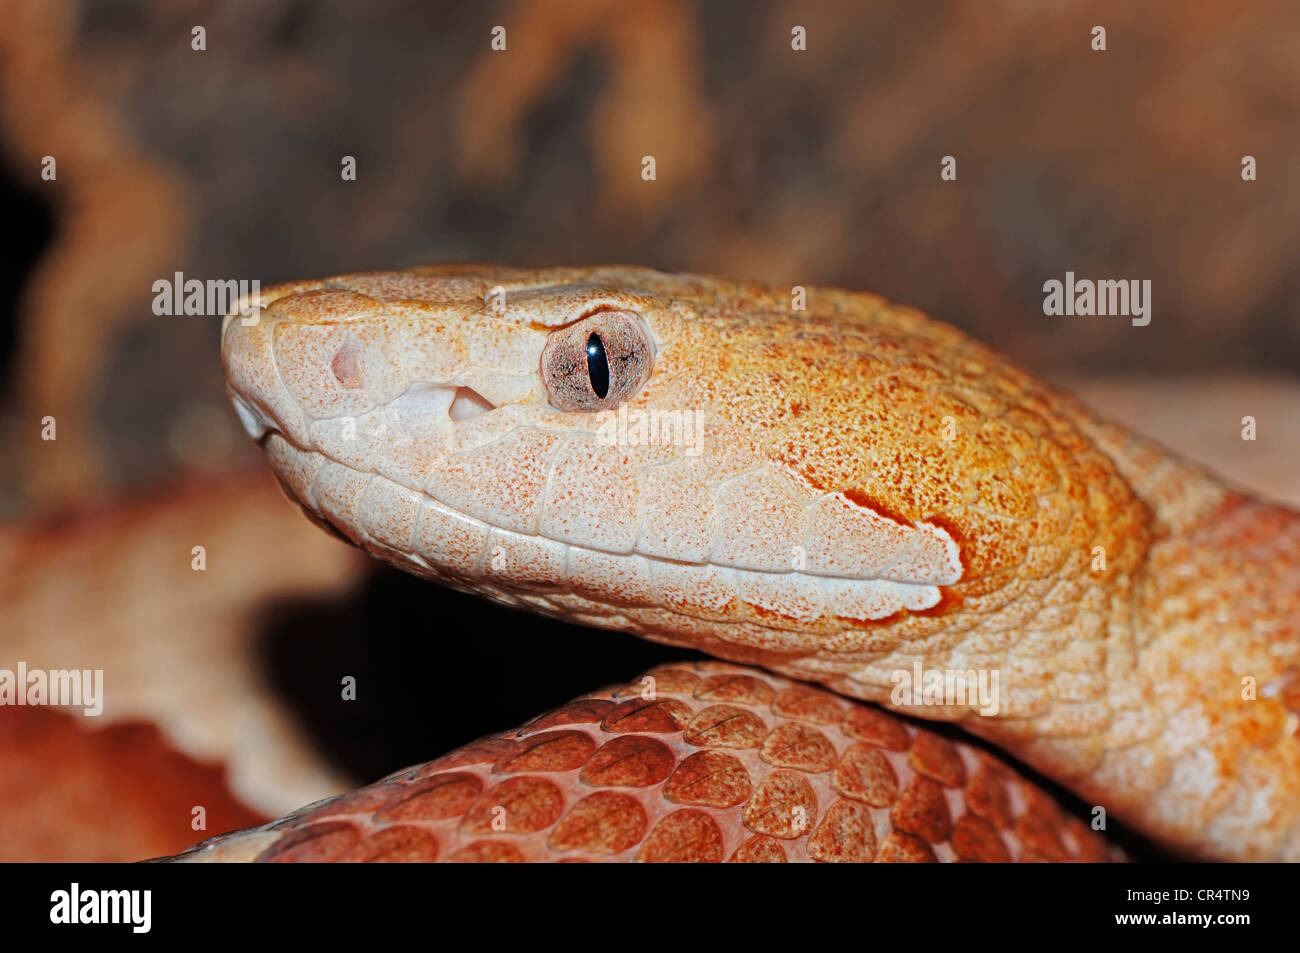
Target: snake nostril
[468, 404]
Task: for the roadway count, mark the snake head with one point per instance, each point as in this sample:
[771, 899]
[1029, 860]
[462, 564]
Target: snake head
[827, 490]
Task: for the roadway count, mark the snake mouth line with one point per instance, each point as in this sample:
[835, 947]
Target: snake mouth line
[458, 403]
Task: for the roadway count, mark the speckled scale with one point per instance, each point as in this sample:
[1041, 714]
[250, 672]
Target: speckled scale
[786, 783]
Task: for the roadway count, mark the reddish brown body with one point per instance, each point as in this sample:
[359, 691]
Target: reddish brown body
[724, 763]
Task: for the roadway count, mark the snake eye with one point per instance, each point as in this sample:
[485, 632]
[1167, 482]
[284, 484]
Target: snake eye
[596, 363]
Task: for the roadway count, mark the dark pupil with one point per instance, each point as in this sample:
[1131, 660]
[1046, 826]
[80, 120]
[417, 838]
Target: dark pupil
[597, 365]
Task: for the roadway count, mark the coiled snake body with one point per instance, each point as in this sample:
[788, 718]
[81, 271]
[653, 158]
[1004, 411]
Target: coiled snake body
[817, 483]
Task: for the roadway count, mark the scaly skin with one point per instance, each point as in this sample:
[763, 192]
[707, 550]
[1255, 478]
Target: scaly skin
[873, 490]
[691, 763]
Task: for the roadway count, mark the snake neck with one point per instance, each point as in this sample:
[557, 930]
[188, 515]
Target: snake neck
[1196, 742]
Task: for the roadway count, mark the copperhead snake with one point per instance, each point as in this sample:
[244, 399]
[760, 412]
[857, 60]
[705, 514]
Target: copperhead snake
[867, 497]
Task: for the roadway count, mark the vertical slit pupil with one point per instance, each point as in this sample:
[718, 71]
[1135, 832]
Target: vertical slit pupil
[597, 366]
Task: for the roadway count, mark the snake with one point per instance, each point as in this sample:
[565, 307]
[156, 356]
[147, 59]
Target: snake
[927, 580]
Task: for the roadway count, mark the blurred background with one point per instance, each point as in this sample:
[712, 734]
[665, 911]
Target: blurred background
[817, 166]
